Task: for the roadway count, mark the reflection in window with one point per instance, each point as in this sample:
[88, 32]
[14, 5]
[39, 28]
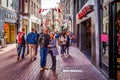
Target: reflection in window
[104, 36]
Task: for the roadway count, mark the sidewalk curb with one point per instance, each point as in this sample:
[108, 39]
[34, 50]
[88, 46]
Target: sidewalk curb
[8, 48]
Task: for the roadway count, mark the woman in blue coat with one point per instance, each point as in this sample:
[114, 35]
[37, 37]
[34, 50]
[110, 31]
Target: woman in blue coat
[53, 51]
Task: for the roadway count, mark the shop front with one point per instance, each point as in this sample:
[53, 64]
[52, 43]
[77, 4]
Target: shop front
[10, 32]
[35, 23]
[25, 23]
[35, 26]
[86, 30]
[109, 38]
[8, 25]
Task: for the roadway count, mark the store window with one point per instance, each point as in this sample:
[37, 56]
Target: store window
[104, 38]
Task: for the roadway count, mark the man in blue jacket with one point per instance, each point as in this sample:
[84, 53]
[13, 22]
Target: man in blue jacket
[32, 41]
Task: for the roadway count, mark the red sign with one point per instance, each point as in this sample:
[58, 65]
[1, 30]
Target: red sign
[104, 37]
[85, 11]
[6, 26]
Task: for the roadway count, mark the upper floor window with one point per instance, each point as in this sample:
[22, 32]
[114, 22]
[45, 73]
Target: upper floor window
[12, 4]
[4, 2]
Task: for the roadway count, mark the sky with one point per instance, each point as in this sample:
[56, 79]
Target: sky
[49, 4]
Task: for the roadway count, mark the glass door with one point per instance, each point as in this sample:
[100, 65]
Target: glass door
[12, 32]
[105, 39]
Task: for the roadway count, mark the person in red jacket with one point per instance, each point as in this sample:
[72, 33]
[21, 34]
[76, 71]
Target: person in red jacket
[21, 44]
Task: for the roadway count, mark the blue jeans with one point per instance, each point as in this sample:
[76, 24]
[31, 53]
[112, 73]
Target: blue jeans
[43, 55]
[21, 48]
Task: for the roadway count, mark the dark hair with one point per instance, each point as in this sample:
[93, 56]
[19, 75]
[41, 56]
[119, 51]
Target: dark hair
[35, 31]
[118, 14]
[23, 29]
[32, 29]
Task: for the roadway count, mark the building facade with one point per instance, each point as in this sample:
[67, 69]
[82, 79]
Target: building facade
[67, 14]
[29, 16]
[8, 19]
[15, 14]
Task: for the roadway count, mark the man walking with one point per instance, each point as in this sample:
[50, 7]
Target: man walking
[44, 42]
[32, 40]
[21, 44]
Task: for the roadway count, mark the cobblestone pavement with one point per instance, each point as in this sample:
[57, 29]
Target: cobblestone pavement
[73, 67]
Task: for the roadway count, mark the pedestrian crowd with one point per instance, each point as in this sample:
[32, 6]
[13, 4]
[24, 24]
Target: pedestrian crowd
[47, 41]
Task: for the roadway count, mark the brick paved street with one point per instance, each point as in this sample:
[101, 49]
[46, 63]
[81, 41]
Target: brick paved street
[74, 67]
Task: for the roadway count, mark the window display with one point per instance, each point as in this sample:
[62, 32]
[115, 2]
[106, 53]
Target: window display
[104, 37]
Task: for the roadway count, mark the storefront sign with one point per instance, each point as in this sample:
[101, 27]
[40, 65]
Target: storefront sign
[104, 37]
[85, 11]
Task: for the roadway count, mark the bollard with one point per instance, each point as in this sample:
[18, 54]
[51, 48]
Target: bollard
[3, 42]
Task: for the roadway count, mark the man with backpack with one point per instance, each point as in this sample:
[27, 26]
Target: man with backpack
[32, 41]
[21, 44]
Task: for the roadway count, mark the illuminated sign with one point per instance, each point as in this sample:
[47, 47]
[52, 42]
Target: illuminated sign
[85, 11]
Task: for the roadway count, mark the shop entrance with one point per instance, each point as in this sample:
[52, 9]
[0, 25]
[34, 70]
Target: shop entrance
[9, 32]
[86, 37]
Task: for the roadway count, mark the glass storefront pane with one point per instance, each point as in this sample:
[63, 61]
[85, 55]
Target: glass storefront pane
[104, 36]
[118, 27]
[12, 33]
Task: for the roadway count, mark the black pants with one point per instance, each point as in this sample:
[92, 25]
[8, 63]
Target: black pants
[67, 47]
[53, 61]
